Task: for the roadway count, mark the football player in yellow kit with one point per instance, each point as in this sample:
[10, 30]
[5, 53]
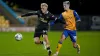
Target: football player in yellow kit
[70, 17]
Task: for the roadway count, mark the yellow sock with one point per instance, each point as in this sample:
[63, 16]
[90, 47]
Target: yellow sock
[78, 46]
[58, 47]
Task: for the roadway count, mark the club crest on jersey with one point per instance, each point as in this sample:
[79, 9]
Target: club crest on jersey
[42, 19]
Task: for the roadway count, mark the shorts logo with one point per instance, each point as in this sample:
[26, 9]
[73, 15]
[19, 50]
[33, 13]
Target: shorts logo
[74, 37]
[44, 31]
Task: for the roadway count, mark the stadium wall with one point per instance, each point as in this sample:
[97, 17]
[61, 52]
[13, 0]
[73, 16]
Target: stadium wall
[87, 23]
[18, 29]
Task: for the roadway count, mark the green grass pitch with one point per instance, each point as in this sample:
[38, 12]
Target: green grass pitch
[88, 40]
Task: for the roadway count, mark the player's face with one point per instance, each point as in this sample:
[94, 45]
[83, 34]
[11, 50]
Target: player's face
[66, 6]
[44, 9]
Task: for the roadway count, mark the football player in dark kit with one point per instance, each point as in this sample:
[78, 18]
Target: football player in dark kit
[44, 18]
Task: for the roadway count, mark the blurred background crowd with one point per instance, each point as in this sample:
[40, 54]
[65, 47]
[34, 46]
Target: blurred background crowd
[10, 9]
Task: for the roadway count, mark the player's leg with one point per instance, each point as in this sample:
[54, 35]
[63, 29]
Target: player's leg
[37, 38]
[76, 46]
[46, 42]
[74, 39]
[64, 35]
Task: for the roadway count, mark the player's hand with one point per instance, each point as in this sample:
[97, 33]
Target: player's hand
[19, 17]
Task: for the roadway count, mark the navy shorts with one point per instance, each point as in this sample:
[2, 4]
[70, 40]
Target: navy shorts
[70, 33]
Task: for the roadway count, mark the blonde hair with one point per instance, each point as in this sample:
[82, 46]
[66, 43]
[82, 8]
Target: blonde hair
[66, 2]
[44, 4]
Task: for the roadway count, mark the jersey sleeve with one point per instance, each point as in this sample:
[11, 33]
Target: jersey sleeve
[77, 16]
[60, 17]
[30, 13]
[58, 20]
[52, 17]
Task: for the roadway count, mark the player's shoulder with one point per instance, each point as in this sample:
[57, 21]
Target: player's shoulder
[72, 10]
[49, 13]
[64, 12]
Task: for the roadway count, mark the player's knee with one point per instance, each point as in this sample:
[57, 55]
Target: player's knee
[46, 40]
[45, 36]
[36, 42]
[63, 37]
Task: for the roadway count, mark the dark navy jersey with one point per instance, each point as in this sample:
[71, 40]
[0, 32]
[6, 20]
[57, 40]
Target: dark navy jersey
[43, 19]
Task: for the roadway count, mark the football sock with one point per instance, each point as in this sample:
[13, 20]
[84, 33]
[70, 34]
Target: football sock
[41, 42]
[59, 46]
[48, 48]
[78, 46]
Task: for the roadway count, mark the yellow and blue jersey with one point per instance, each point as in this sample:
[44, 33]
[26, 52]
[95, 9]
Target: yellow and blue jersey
[70, 17]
